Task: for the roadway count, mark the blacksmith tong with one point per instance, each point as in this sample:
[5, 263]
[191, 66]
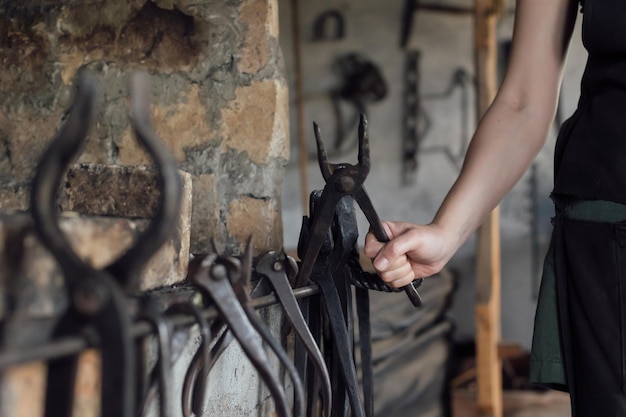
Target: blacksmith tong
[279, 269]
[215, 277]
[344, 180]
[97, 303]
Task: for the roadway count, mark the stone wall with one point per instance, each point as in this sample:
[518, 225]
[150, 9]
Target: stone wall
[219, 100]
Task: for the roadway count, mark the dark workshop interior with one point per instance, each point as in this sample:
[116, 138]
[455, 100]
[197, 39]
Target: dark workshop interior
[173, 242]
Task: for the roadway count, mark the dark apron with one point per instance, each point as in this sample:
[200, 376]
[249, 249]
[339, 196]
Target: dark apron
[579, 341]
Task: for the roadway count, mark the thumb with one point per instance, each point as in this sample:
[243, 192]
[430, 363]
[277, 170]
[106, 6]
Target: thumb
[399, 244]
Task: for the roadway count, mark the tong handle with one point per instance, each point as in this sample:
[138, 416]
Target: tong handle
[381, 235]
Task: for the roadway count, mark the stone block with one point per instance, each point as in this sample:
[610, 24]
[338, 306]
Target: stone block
[264, 135]
[33, 283]
[181, 124]
[110, 190]
[22, 390]
[115, 190]
[14, 199]
[256, 15]
[256, 218]
[131, 192]
[205, 218]
[100, 240]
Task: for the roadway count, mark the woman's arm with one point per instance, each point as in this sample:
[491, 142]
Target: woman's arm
[507, 139]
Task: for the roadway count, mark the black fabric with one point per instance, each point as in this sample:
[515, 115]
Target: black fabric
[590, 257]
[590, 157]
[591, 287]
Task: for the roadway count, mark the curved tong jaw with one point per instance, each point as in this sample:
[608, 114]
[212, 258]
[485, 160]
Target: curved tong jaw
[65, 147]
[280, 269]
[359, 172]
[96, 296]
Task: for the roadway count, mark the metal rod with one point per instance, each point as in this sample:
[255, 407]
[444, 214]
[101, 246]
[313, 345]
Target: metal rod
[75, 344]
[445, 8]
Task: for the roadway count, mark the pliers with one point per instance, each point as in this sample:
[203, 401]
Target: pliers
[278, 268]
[97, 303]
[344, 180]
[242, 288]
[214, 278]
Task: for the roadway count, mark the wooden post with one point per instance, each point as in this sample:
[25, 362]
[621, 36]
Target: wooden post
[302, 146]
[487, 314]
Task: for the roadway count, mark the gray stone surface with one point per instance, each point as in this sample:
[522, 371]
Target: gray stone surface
[220, 101]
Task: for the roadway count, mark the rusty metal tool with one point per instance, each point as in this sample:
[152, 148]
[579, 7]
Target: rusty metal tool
[242, 289]
[329, 273]
[196, 380]
[365, 331]
[213, 278]
[345, 180]
[278, 268]
[162, 371]
[97, 303]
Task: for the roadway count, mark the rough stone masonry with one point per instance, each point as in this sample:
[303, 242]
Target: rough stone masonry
[220, 103]
[220, 100]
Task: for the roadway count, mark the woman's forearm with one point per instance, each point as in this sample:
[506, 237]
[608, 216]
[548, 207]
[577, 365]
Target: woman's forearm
[504, 145]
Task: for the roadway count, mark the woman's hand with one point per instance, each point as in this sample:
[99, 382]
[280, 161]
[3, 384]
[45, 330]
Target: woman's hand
[414, 251]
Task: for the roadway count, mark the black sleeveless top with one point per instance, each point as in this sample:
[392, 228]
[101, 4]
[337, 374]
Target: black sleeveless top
[590, 154]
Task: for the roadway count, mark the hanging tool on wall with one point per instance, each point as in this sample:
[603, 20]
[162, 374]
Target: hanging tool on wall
[461, 80]
[361, 83]
[329, 26]
[97, 303]
[412, 108]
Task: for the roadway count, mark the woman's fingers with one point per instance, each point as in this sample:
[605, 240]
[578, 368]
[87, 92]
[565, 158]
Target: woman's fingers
[399, 274]
[413, 251]
[397, 247]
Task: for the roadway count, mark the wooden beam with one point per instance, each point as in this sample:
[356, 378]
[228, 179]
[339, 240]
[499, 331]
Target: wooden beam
[487, 313]
[303, 159]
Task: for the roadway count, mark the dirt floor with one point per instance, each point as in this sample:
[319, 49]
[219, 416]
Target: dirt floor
[516, 404]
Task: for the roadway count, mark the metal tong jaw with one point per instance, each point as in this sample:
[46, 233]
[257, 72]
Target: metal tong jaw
[216, 277]
[96, 296]
[242, 288]
[345, 180]
[279, 269]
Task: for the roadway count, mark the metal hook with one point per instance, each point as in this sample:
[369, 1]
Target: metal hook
[322, 22]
